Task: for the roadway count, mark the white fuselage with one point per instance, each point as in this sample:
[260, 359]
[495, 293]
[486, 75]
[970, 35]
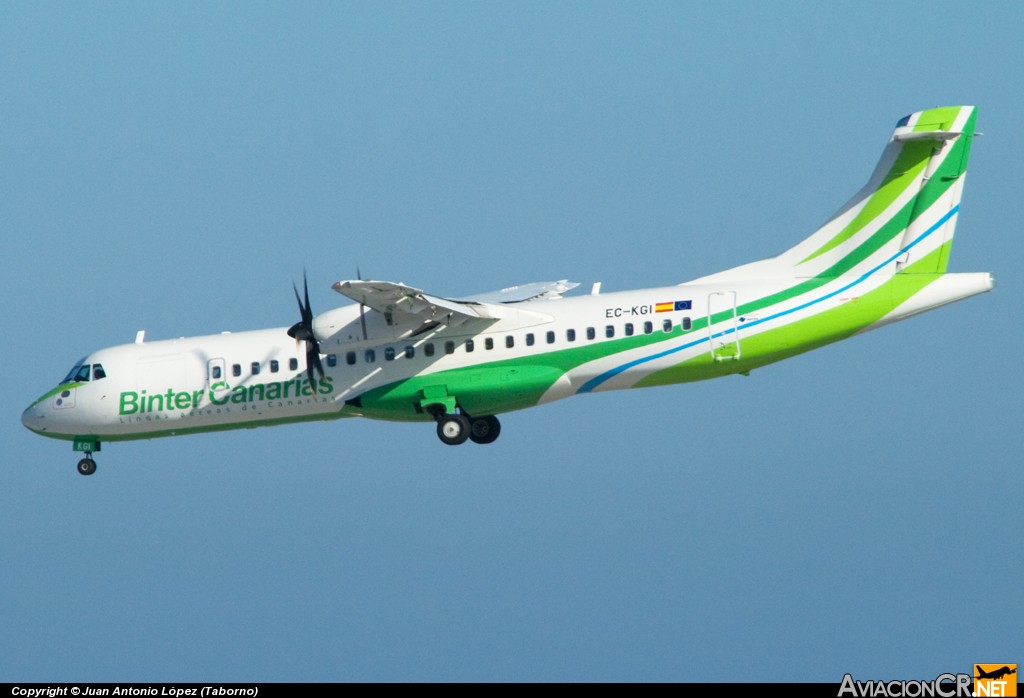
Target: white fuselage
[259, 378]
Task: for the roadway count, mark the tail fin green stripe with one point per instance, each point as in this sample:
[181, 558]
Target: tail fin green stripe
[949, 174]
[912, 160]
[911, 171]
[940, 118]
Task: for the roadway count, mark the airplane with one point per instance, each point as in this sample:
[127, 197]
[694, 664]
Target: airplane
[996, 674]
[399, 353]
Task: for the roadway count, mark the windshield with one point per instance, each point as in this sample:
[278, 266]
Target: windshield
[79, 373]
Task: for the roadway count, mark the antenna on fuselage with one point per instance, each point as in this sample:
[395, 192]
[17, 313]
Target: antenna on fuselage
[140, 336]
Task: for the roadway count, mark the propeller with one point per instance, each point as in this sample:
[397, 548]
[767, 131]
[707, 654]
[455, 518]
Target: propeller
[303, 331]
[362, 308]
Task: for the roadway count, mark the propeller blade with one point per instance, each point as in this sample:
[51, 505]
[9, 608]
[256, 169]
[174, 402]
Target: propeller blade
[307, 312]
[313, 364]
[362, 308]
[309, 371]
[303, 331]
[302, 311]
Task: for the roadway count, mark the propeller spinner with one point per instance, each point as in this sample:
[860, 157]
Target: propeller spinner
[303, 331]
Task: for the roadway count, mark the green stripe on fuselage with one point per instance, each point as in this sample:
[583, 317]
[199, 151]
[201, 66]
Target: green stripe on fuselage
[181, 431]
[499, 386]
[59, 389]
[809, 333]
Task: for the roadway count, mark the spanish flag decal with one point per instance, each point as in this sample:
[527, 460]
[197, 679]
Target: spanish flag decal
[669, 306]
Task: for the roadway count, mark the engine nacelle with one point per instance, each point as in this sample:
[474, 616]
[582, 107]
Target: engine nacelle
[351, 327]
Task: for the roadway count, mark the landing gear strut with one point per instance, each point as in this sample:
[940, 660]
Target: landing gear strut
[87, 466]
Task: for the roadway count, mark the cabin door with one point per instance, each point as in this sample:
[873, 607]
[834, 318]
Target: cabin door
[723, 326]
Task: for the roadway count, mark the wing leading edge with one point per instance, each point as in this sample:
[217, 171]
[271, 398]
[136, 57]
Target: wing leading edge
[391, 298]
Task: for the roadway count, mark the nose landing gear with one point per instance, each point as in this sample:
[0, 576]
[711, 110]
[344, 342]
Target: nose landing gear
[87, 466]
[86, 445]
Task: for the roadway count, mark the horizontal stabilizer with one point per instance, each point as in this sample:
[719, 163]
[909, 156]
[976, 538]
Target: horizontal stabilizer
[906, 213]
[911, 135]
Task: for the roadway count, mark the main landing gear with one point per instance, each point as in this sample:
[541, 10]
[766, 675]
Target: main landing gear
[87, 466]
[454, 429]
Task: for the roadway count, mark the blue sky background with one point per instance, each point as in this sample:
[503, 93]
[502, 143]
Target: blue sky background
[173, 167]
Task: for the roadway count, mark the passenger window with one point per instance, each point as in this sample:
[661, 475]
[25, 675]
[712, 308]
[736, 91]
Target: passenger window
[236, 370]
[449, 347]
[255, 368]
[551, 337]
[687, 324]
[389, 354]
[428, 349]
[510, 342]
[332, 361]
[648, 327]
[97, 372]
[629, 329]
[591, 333]
[370, 356]
[489, 343]
[350, 358]
[470, 346]
[215, 372]
[274, 366]
[570, 335]
[666, 325]
[293, 363]
[609, 331]
[529, 339]
[410, 351]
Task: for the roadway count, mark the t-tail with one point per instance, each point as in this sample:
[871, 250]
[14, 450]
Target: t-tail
[906, 214]
[892, 240]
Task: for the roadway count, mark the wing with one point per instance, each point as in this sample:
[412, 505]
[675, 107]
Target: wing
[393, 299]
[525, 292]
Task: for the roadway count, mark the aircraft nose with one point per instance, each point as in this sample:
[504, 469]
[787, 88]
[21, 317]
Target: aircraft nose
[31, 418]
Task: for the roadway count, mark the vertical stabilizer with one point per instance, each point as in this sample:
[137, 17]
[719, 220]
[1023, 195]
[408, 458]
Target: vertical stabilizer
[906, 214]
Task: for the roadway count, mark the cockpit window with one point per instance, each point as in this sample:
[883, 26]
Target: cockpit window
[79, 373]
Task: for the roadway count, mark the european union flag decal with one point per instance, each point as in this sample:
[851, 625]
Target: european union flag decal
[669, 306]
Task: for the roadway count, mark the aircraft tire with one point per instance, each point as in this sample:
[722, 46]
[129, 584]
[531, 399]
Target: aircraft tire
[484, 430]
[453, 429]
[86, 466]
